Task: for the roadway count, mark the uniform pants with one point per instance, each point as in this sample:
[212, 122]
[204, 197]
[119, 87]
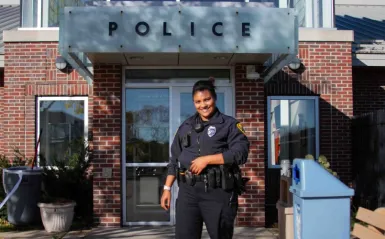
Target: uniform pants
[195, 206]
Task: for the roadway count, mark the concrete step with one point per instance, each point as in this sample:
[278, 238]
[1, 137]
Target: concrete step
[139, 232]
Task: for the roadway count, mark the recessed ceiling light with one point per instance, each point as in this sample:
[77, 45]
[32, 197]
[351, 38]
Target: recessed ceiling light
[220, 58]
[136, 58]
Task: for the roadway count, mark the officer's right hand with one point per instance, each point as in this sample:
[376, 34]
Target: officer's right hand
[165, 200]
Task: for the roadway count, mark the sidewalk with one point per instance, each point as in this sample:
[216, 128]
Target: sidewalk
[143, 232]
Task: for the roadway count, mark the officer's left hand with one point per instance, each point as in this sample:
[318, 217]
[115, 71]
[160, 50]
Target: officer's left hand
[198, 165]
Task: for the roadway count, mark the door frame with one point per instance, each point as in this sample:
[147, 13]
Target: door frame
[169, 86]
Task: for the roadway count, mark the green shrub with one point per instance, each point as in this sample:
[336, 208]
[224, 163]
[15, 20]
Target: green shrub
[69, 178]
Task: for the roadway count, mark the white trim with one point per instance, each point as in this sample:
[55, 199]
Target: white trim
[1, 61]
[31, 35]
[123, 147]
[316, 110]
[10, 2]
[282, 4]
[45, 13]
[40, 29]
[61, 98]
[360, 2]
[309, 13]
[327, 14]
[368, 59]
[325, 35]
[38, 23]
[175, 186]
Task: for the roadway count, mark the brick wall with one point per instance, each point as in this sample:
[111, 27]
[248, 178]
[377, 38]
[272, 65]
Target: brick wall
[249, 98]
[30, 72]
[328, 74]
[1, 109]
[107, 143]
[368, 89]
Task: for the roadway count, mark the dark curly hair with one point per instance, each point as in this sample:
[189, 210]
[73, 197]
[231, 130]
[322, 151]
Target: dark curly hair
[205, 85]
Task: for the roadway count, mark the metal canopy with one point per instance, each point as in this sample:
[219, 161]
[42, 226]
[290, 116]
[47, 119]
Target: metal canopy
[178, 35]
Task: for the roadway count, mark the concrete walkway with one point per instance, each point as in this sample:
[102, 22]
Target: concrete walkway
[144, 232]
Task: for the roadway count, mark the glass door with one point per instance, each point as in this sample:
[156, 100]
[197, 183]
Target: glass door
[147, 130]
[152, 116]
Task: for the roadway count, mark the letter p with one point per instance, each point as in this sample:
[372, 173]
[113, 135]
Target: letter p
[112, 26]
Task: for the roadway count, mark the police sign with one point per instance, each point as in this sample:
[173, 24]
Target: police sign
[113, 26]
[175, 29]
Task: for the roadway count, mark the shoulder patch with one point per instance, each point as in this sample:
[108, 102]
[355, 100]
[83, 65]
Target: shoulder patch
[240, 127]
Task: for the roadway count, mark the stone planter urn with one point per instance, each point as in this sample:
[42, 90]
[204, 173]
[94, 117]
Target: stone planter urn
[57, 216]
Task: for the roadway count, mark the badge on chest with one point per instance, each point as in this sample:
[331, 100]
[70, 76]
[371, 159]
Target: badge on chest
[211, 131]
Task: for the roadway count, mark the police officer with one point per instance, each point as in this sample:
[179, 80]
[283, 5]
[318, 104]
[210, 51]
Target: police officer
[205, 149]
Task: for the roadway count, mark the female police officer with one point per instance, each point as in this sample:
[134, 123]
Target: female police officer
[205, 149]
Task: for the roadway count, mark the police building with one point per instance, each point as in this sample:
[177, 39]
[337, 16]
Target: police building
[120, 74]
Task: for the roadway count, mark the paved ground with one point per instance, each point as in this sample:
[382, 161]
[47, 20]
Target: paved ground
[159, 232]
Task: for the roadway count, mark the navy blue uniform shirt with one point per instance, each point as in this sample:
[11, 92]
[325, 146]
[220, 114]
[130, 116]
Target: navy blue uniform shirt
[221, 134]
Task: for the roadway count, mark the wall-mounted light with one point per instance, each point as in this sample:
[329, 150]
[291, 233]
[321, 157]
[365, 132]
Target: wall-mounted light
[61, 63]
[251, 73]
[295, 64]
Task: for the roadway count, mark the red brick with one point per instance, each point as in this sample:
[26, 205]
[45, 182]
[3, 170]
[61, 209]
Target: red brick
[1, 111]
[30, 71]
[107, 82]
[249, 110]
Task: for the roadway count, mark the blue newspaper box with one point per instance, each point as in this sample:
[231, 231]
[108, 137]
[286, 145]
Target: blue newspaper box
[321, 202]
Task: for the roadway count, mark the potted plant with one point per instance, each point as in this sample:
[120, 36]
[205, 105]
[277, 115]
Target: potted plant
[322, 160]
[61, 181]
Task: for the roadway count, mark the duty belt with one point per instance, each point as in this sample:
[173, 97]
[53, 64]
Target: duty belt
[227, 178]
[195, 177]
[190, 179]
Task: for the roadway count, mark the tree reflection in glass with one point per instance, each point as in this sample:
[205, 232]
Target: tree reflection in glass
[147, 125]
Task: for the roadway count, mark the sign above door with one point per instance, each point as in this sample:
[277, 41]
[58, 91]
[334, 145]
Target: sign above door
[177, 29]
[178, 35]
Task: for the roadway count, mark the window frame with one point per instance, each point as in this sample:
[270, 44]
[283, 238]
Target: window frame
[316, 110]
[59, 98]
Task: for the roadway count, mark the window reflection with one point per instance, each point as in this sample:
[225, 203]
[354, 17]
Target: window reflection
[147, 125]
[61, 122]
[292, 129]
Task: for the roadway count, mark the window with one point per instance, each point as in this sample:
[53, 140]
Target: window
[293, 128]
[29, 13]
[62, 121]
[52, 10]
